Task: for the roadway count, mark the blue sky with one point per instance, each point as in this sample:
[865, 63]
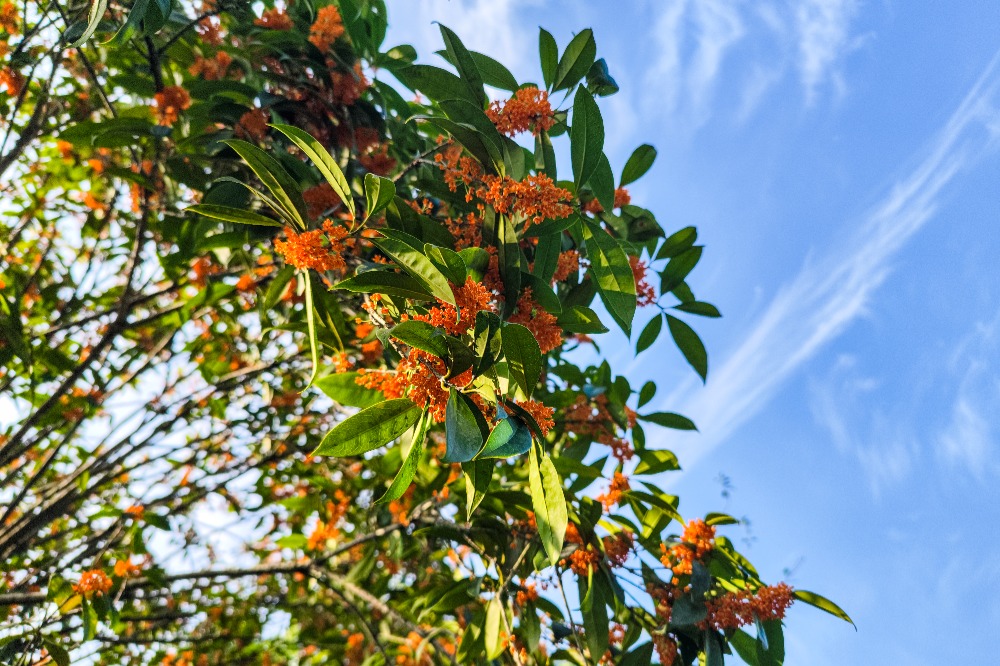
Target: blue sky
[841, 160]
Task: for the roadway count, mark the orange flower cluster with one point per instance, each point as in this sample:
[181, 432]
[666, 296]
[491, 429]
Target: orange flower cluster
[125, 569]
[275, 19]
[542, 324]
[645, 294]
[354, 652]
[666, 648]
[246, 284]
[458, 168]
[541, 414]
[371, 350]
[582, 560]
[348, 86]
[327, 28]
[472, 298]
[536, 197]
[136, 511]
[327, 530]
[618, 546]
[410, 649]
[593, 419]
[11, 81]
[169, 103]
[416, 377]
[310, 250]
[619, 484]
[737, 609]
[93, 583]
[526, 595]
[529, 108]
[208, 31]
[211, 69]
[378, 161]
[10, 19]
[201, 269]
[468, 231]
[320, 199]
[567, 264]
[622, 198]
[253, 125]
[697, 541]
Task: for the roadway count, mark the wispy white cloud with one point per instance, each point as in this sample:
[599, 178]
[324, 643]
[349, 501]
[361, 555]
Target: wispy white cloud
[832, 291]
[741, 49]
[823, 37]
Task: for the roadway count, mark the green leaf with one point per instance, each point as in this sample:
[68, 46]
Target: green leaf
[470, 138]
[679, 268]
[327, 166]
[477, 261]
[542, 293]
[713, 649]
[494, 72]
[235, 215]
[311, 326]
[417, 265]
[690, 345]
[640, 656]
[545, 155]
[448, 262]
[549, 504]
[135, 16]
[491, 629]
[548, 52]
[699, 308]
[404, 477]
[466, 66]
[524, 357]
[547, 258]
[612, 274]
[94, 16]
[434, 82]
[602, 183]
[58, 653]
[599, 80]
[823, 604]
[669, 420]
[581, 319]
[687, 612]
[720, 519]
[509, 257]
[639, 162]
[281, 185]
[370, 428]
[649, 334]
[510, 437]
[678, 242]
[463, 437]
[342, 388]
[384, 282]
[655, 462]
[379, 193]
[576, 60]
[586, 136]
[478, 474]
[646, 393]
[423, 336]
[594, 609]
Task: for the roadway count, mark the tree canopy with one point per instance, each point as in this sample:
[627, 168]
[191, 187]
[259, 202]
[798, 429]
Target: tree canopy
[301, 338]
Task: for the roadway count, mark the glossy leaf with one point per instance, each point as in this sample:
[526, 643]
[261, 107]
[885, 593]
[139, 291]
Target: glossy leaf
[369, 429]
[639, 162]
[669, 420]
[234, 215]
[576, 60]
[822, 603]
[404, 477]
[418, 266]
[463, 437]
[384, 282]
[612, 274]
[342, 388]
[379, 193]
[586, 136]
[650, 332]
[549, 504]
[690, 345]
[548, 52]
[524, 358]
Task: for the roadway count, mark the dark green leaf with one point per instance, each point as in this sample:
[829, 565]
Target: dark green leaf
[384, 282]
[524, 358]
[462, 434]
[549, 504]
[548, 52]
[602, 183]
[135, 16]
[678, 268]
[612, 274]
[699, 308]
[547, 257]
[639, 162]
[423, 336]
[448, 262]
[646, 393]
[509, 255]
[434, 82]
[576, 60]
[477, 260]
[417, 265]
[466, 66]
[94, 16]
[58, 653]
[327, 166]
[379, 193]
[586, 136]
[600, 81]
[342, 388]
[678, 242]
[478, 474]
[281, 186]
[370, 428]
[823, 604]
[669, 420]
[235, 215]
[409, 469]
[510, 437]
[581, 319]
[690, 345]
[649, 334]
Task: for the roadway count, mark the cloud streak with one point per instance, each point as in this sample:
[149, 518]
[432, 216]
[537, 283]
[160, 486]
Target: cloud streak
[831, 292]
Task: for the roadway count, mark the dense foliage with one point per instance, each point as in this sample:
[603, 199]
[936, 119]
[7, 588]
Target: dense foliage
[297, 336]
